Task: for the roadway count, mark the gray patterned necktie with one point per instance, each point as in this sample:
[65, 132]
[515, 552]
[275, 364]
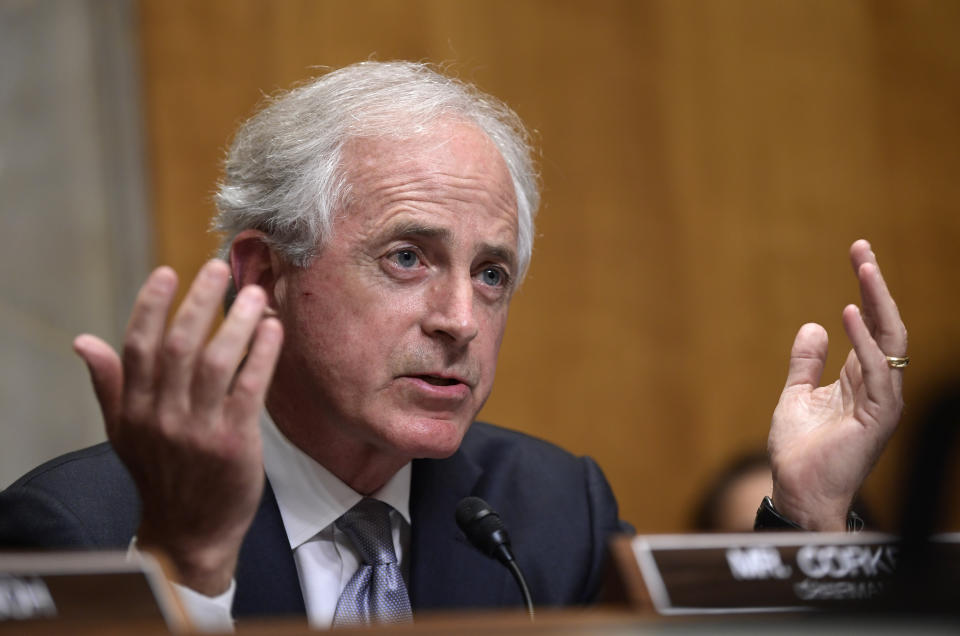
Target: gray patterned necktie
[376, 593]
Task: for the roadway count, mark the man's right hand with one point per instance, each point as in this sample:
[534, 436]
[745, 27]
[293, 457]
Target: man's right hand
[185, 421]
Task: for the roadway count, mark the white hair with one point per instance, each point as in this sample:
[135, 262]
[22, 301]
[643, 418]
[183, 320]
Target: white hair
[283, 172]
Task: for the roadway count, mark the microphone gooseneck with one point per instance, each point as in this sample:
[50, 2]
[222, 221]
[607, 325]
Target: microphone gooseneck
[486, 532]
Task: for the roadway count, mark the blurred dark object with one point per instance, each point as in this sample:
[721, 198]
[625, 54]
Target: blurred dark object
[927, 581]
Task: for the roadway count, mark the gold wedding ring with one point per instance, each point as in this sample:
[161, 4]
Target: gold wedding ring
[897, 363]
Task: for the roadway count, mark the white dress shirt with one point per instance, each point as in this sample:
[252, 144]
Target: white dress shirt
[311, 499]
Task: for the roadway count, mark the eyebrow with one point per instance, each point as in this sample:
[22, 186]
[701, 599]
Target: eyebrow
[413, 228]
[419, 230]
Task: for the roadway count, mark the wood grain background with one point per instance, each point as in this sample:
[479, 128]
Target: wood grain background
[705, 165]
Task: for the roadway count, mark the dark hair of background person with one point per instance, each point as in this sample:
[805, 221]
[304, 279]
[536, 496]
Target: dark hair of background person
[709, 514]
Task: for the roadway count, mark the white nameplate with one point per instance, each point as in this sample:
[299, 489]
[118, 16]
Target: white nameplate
[86, 586]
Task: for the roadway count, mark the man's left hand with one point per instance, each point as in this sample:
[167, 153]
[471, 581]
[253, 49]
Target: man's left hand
[824, 440]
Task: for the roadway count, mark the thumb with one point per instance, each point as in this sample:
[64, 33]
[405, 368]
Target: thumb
[106, 374]
[808, 356]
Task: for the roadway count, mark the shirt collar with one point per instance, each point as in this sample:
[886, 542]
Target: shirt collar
[309, 496]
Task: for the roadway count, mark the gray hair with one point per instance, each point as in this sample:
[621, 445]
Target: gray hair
[283, 173]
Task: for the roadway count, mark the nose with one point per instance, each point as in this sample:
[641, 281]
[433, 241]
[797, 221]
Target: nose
[450, 314]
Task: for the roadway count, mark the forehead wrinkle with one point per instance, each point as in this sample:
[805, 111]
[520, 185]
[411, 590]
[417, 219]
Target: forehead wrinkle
[424, 178]
[506, 199]
[425, 169]
[411, 196]
[434, 181]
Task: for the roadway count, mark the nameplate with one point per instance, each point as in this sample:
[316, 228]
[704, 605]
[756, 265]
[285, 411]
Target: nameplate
[86, 586]
[762, 572]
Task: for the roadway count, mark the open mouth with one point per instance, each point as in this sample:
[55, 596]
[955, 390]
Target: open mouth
[437, 381]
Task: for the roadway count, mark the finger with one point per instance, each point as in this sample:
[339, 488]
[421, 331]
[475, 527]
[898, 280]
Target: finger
[219, 362]
[861, 252]
[143, 336]
[851, 379]
[880, 313]
[251, 384]
[882, 386]
[106, 374]
[884, 324]
[852, 370]
[808, 356]
[188, 331]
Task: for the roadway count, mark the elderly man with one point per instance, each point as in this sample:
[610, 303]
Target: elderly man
[378, 221]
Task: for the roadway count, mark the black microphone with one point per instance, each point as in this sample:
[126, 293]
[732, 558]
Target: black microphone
[486, 532]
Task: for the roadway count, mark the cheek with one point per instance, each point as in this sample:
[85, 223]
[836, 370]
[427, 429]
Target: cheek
[493, 326]
[355, 338]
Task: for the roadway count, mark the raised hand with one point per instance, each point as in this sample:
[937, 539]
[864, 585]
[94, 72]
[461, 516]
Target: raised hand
[184, 420]
[824, 440]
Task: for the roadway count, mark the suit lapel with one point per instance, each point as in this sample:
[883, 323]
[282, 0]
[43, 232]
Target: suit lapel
[446, 571]
[267, 580]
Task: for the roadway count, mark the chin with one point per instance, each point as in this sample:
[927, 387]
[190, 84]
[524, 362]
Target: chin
[429, 438]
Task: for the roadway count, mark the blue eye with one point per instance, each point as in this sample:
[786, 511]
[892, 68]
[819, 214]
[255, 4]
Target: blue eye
[492, 276]
[406, 259]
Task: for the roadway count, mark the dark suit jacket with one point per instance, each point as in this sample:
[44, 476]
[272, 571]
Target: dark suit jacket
[558, 509]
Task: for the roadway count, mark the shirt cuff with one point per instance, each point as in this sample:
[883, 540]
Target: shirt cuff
[206, 613]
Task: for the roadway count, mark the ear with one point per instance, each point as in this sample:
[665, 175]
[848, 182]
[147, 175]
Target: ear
[253, 262]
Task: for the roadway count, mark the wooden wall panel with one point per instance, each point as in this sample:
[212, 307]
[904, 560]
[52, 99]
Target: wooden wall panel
[705, 165]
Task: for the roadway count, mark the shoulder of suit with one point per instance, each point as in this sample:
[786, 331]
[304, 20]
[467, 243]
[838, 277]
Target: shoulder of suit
[99, 459]
[82, 499]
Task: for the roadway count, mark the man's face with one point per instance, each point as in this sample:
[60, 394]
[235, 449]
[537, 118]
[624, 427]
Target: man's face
[392, 332]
